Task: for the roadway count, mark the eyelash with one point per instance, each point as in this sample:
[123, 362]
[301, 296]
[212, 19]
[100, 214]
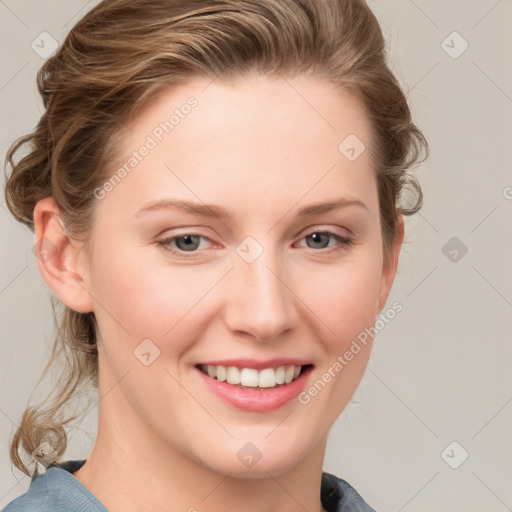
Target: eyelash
[166, 243]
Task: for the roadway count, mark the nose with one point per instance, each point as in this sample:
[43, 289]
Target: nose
[260, 299]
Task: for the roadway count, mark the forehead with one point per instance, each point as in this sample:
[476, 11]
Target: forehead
[275, 139]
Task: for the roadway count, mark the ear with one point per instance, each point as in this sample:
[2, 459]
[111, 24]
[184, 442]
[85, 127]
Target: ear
[60, 258]
[390, 266]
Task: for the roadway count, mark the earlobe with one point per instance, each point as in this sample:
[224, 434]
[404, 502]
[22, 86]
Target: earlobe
[390, 267]
[58, 258]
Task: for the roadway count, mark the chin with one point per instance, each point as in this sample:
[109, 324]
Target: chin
[249, 462]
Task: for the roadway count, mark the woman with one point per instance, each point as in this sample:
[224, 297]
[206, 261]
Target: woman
[214, 188]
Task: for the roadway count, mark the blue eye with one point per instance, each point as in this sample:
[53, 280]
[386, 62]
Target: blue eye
[190, 243]
[318, 237]
[180, 245]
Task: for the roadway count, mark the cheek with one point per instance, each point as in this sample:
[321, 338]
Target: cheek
[138, 298]
[344, 296]
[346, 305]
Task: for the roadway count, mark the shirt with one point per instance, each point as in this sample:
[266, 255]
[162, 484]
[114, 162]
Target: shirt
[57, 490]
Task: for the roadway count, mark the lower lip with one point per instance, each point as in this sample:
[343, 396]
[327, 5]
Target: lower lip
[264, 400]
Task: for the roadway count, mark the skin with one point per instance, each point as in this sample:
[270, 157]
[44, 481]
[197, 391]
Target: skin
[259, 150]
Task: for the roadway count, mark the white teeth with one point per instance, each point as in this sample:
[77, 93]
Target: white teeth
[252, 378]
[288, 374]
[221, 373]
[248, 377]
[233, 375]
[267, 378]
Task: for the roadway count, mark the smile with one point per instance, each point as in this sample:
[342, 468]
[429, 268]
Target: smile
[251, 377]
[255, 385]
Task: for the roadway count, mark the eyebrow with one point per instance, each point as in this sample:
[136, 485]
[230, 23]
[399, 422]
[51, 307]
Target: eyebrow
[210, 210]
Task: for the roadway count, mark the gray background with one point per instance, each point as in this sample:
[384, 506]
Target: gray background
[440, 371]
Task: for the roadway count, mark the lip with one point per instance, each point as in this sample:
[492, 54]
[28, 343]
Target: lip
[254, 400]
[258, 365]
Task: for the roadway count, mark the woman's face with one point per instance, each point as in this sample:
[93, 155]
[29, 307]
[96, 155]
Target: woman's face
[270, 280]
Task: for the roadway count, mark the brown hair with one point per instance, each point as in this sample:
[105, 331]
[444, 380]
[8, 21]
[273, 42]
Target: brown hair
[121, 55]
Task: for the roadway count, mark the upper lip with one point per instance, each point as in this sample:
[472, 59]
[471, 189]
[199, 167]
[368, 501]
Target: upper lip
[258, 365]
